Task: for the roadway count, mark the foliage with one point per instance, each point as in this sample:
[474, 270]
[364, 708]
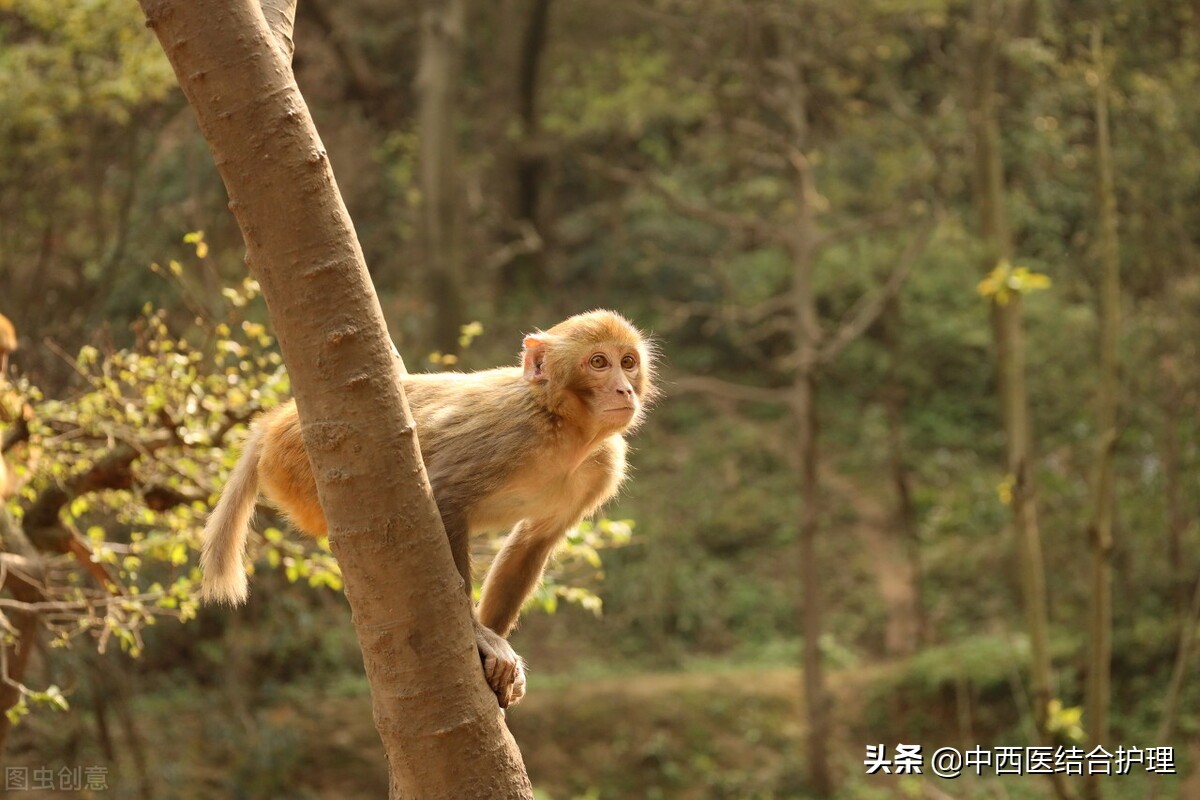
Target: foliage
[133, 460]
[1006, 280]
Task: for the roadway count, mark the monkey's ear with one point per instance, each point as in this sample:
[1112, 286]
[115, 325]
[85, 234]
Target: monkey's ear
[533, 359]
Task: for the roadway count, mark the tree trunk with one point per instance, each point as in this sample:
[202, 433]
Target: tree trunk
[441, 728]
[23, 584]
[1024, 510]
[909, 630]
[804, 409]
[26, 625]
[1183, 659]
[1172, 400]
[816, 703]
[1100, 656]
[1010, 354]
[528, 271]
[441, 228]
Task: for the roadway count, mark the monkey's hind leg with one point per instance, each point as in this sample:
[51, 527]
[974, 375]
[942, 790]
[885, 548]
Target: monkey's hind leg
[285, 473]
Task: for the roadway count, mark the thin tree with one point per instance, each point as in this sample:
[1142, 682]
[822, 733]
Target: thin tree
[527, 161]
[1100, 625]
[441, 213]
[442, 731]
[1008, 334]
[786, 143]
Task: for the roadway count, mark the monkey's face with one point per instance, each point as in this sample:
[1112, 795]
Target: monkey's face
[595, 367]
[608, 376]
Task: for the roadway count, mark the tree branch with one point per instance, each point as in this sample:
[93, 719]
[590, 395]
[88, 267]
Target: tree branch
[868, 308]
[363, 84]
[731, 391]
[888, 218]
[528, 244]
[730, 221]
[281, 19]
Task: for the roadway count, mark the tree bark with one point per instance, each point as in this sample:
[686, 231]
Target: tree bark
[437, 86]
[441, 728]
[1100, 656]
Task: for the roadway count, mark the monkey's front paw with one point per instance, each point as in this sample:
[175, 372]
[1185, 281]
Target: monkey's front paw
[503, 668]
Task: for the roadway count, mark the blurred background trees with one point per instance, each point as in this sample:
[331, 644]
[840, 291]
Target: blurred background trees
[805, 201]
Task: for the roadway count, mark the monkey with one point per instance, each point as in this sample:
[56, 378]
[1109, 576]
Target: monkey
[532, 449]
[8, 343]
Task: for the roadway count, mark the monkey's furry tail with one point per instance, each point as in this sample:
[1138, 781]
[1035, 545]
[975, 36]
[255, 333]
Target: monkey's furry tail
[228, 527]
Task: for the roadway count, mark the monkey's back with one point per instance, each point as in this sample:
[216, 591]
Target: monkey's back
[475, 430]
[479, 434]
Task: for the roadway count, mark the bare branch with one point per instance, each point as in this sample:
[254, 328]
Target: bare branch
[23, 575]
[730, 391]
[528, 244]
[42, 522]
[730, 221]
[860, 226]
[19, 431]
[868, 308]
[362, 81]
[281, 19]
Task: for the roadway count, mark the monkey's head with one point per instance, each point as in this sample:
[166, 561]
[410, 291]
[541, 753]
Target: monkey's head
[595, 365]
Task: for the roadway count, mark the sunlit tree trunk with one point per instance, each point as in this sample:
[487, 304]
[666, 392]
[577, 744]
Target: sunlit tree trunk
[441, 728]
[1100, 627]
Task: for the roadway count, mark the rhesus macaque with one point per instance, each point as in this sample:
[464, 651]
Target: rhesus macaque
[533, 448]
[8, 343]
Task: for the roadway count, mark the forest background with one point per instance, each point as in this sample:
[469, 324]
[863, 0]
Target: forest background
[925, 279]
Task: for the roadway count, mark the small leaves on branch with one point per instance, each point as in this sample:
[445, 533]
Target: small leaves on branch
[1006, 280]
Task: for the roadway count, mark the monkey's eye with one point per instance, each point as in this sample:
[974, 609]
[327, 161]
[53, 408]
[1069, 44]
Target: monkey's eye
[598, 362]
[628, 362]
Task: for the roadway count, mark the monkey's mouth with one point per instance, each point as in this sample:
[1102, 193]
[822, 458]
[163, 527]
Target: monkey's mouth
[620, 410]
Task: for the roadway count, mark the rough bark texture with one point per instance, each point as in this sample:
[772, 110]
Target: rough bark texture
[442, 730]
[1100, 626]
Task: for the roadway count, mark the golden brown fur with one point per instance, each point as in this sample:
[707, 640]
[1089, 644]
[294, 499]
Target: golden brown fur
[534, 449]
[8, 342]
